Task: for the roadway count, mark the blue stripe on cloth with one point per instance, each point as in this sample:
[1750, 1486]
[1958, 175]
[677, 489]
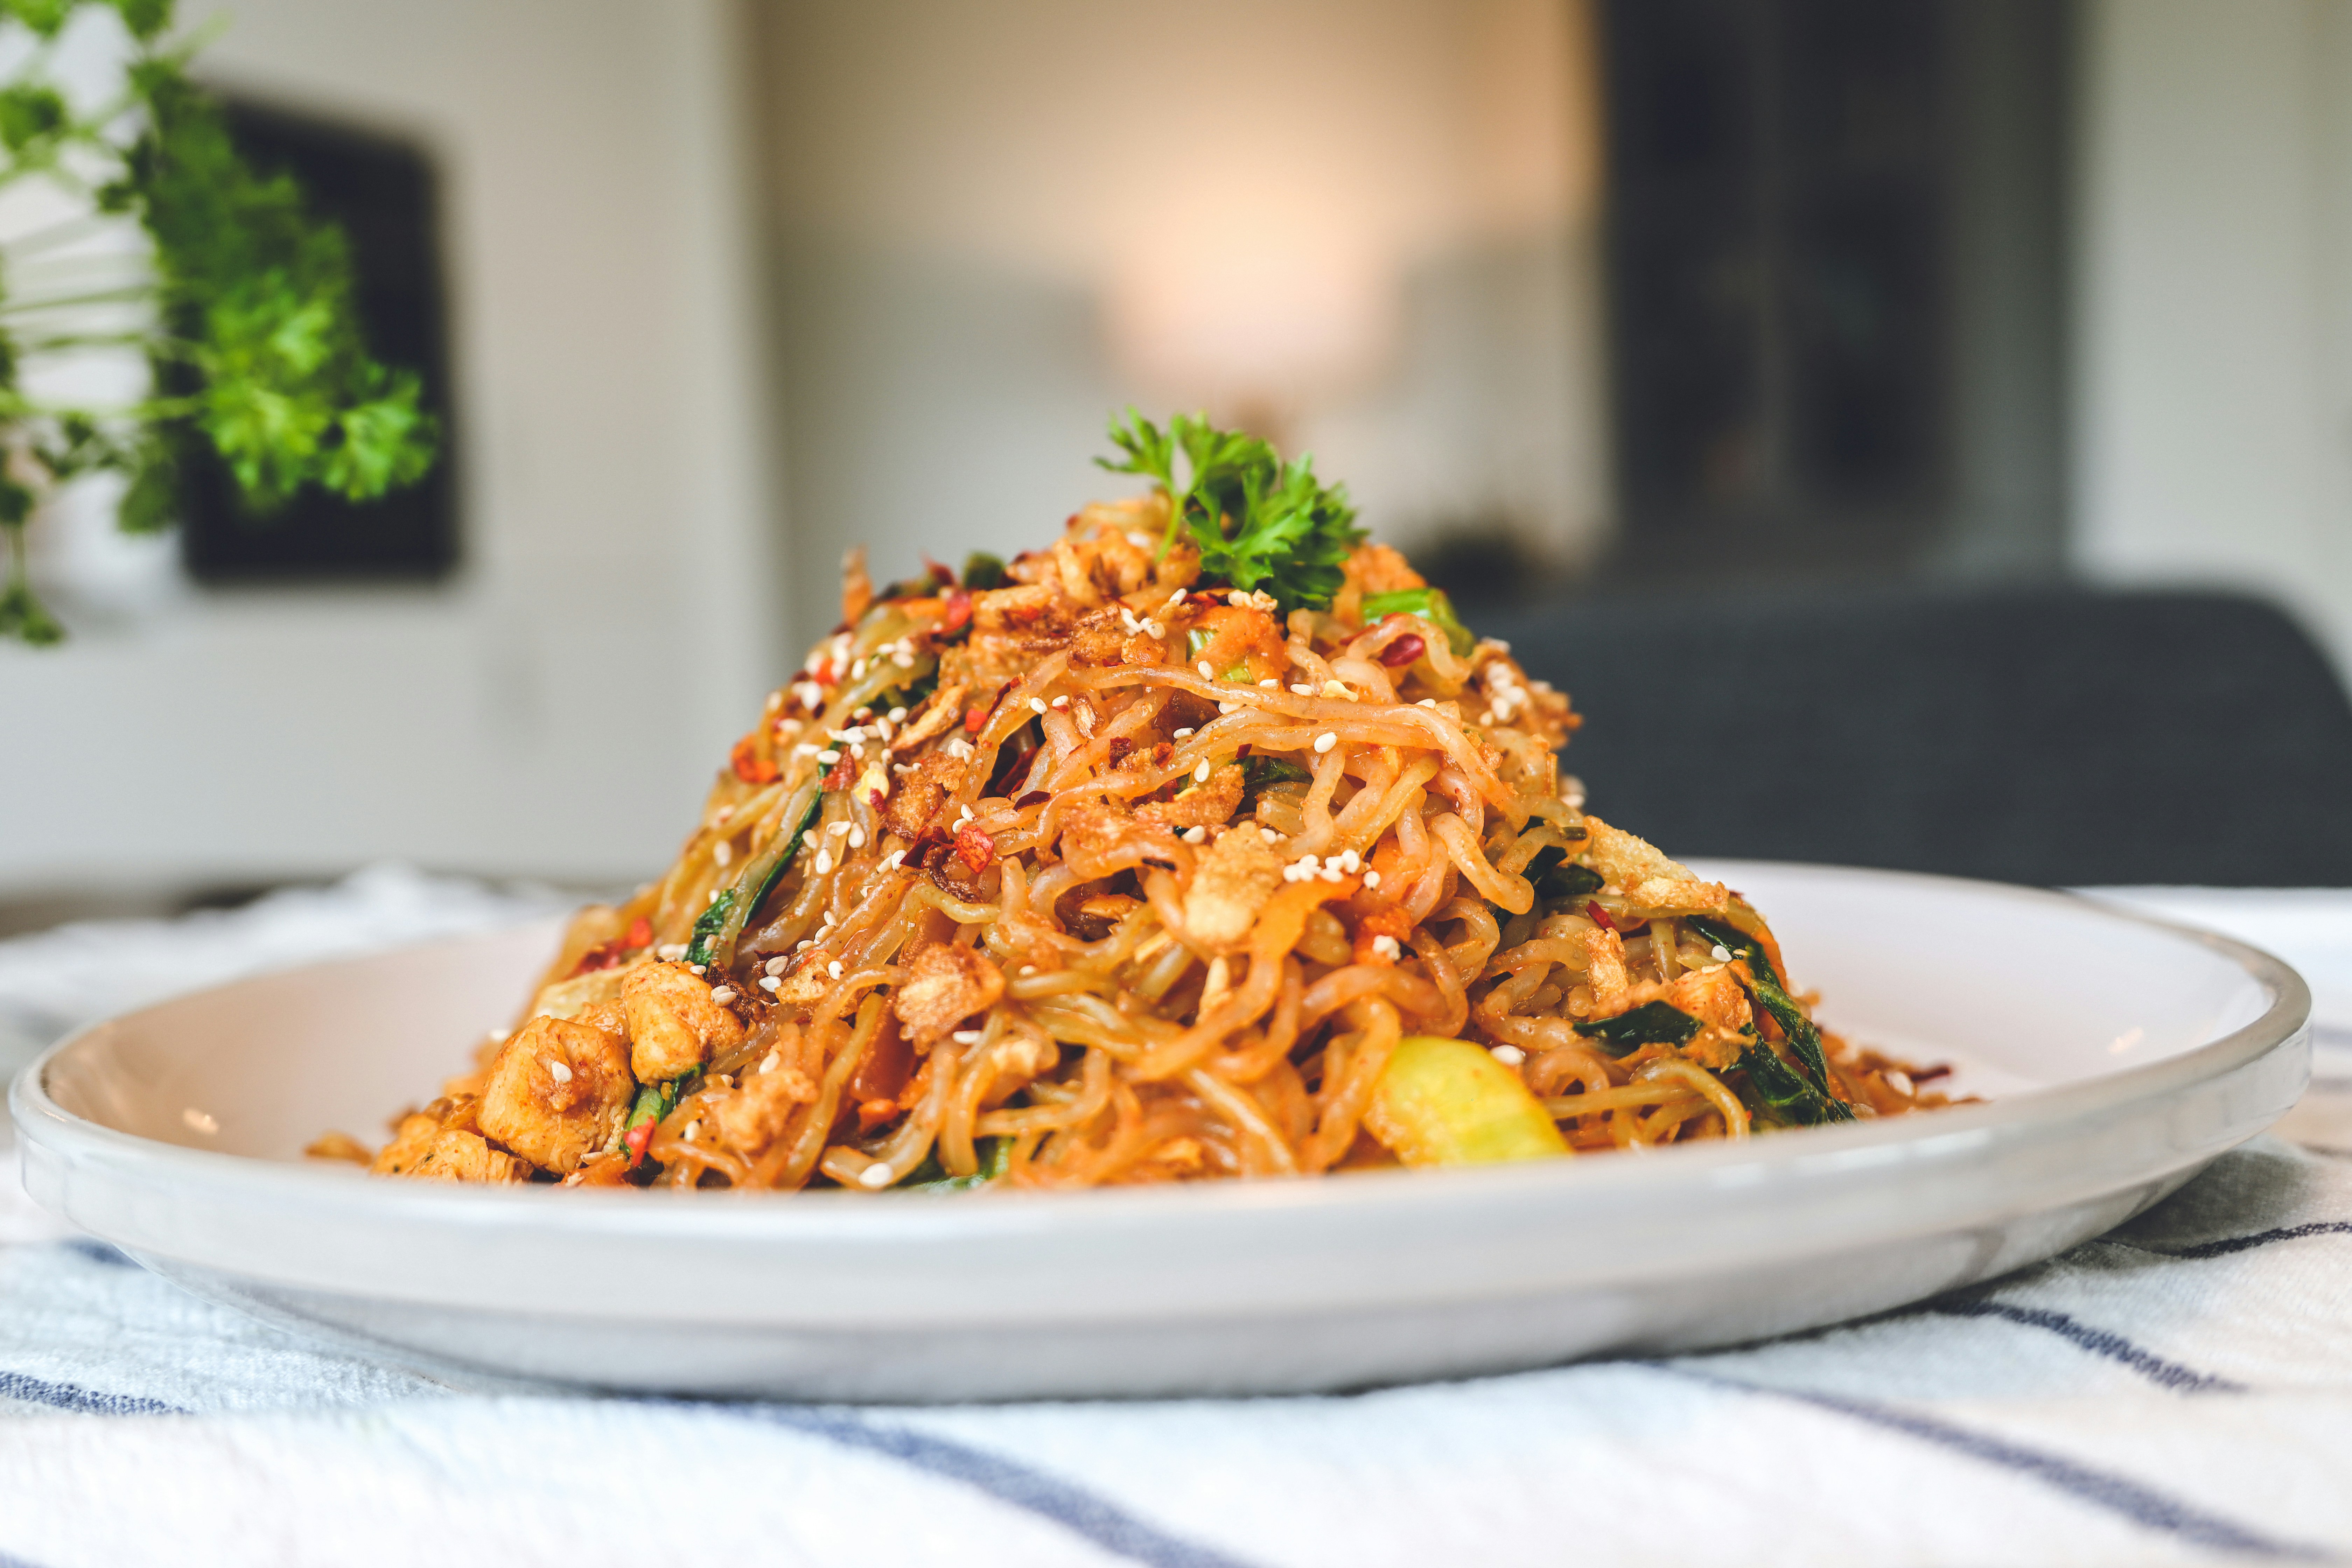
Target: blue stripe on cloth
[98, 1251]
[1081, 1512]
[2142, 1505]
[73, 1396]
[2098, 1341]
[2230, 1244]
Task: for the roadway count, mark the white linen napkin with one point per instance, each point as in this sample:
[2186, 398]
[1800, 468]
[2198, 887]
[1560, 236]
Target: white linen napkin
[2177, 1392]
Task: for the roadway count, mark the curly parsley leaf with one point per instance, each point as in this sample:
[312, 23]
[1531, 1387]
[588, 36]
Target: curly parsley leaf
[1260, 523]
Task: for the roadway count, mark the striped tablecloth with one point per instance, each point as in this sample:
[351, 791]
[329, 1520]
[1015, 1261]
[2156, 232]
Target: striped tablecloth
[2178, 1391]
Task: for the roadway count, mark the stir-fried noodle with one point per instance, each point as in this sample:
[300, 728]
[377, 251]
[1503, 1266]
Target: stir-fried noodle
[1109, 873]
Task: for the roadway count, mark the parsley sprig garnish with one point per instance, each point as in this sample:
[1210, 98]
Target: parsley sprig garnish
[1260, 524]
[241, 299]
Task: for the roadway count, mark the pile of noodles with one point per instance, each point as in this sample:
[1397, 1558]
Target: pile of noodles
[1038, 773]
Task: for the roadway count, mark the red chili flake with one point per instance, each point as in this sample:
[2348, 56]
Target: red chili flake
[1035, 798]
[634, 1140]
[840, 776]
[974, 848]
[943, 576]
[608, 954]
[1404, 651]
[1600, 916]
[975, 720]
[826, 674]
[750, 765]
[1929, 1075]
[641, 932]
[958, 611]
[873, 798]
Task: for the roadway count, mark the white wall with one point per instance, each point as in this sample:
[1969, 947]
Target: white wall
[2214, 289]
[557, 709]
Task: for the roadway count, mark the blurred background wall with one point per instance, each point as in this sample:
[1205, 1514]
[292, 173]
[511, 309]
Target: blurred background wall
[1584, 299]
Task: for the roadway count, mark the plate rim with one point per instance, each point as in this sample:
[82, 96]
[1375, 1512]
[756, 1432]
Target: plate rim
[832, 1218]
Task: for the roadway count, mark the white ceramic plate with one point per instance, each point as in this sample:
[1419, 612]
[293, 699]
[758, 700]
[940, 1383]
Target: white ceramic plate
[2126, 1055]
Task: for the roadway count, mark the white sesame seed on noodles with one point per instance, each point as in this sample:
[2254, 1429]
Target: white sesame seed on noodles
[1325, 742]
[560, 1071]
[1509, 1055]
[876, 1176]
[1200, 774]
[723, 994]
[832, 970]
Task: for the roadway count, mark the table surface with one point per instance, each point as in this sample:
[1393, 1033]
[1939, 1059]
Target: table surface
[2178, 1391]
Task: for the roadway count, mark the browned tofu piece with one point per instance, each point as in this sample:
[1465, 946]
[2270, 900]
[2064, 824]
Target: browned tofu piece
[558, 1092]
[751, 1118]
[427, 1150]
[1236, 878]
[945, 985]
[673, 1023]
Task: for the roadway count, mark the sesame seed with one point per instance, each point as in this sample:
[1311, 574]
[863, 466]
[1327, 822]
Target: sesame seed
[1228, 706]
[965, 818]
[1174, 599]
[1268, 834]
[1271, 684]
[823, 861]
[966, 1037]
[897, 859]
[1206, 673]
[1387, 946]
[1509, 1055]
[1330, 873]
[694, 968]
[1900, 1081]
[836, 829]
[771, 1061]
[1036, 705]
[828, 757]
[857, 838]
[903, 660]
[1721, 954]
[1195, 836]
[1325, 742]
[777, 965]
[960, 748]
[805, 943]
[1184, 734]
[559, 1071]
[723, 995]
[1302, 691]
[897, 715]
[858, 670]
[1337, 688]
[1351, 862]
[1200, 774]
[1061, 702]
[876, 1176]
[1426, 702]
[770, 984]
[832, 970]
[804, 751]
[693, 1129]
[1028, 969]
[1372, 878]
